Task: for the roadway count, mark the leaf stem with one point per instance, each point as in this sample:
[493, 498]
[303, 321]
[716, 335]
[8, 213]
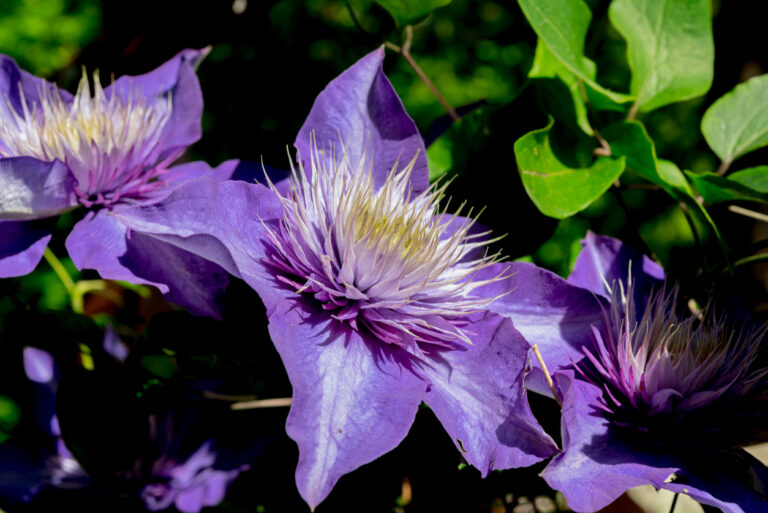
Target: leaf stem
[262, 403]
[60, 270]
[748, 213]
[760, 257]
[547, 376]
[405, 51]
[724, 165]
[633, 111]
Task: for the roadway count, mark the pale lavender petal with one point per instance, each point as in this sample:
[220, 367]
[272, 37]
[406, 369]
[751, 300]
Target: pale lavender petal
[220, 221]
[113, 345]
[478, 395]
[215, 488]
[177, 78]
[605, 260]
[38, 365]
[596, 466]
[23, 244]
[33, 189]
[190, 500]
[361, 110]
[101, 242]
[353, 399]
[13, 78]
[180, 173]
[546, 309]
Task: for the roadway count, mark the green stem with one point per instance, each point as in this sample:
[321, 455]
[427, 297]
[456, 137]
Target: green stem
[59, 269]
[751, 259]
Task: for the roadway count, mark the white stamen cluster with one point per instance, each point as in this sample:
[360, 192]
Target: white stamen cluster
[107, 140]
[379, 256]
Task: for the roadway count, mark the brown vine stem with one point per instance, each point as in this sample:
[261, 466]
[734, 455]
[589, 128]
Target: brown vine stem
[724, 165]
[547, 376]
[405, 51]
[262, 403]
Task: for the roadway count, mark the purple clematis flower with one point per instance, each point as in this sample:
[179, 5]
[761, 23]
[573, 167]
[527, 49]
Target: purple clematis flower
[656, 397]
[103, 150]
[377, 299]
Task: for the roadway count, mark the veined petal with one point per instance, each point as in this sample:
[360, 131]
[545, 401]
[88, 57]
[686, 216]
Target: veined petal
[33, 189]
[353, 398]
[11, 77]
[360, 110]
[23, 245]
[478, 394]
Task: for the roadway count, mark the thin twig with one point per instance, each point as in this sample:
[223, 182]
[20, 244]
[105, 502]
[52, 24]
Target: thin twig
[547, 376]
[262, 403]
[208, 394]
[749, 213]
[605, 149]
[674, 503]
[60, 270]
[405, 51]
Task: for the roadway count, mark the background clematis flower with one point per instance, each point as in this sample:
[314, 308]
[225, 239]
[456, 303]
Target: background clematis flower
[102, 149]
[372, 291]
[657, 397]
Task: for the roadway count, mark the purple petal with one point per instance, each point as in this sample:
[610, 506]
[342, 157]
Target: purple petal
[352, 399]
[33, 189]
[23, 244]
[177, 78]
[191, 500]
[12, 78]
[101, 242]
[189, 170]
[605, 260]
[113, 345]
[479, 397]
[361, 110]
[596, 466]
[220, 221]
[38, 365]
[546, 309]
[215, 488]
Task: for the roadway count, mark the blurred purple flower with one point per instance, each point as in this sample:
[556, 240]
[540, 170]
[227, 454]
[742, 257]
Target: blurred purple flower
[654, 393]
[191, 486]
[377, 299]
[103, 150]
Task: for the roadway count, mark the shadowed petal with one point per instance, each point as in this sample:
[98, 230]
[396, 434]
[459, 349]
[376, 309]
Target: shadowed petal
[38, 365]
[177, 78]
[480, 399]
[352, 399]
[23, 244]
[101, 242]
[605, 260]
[33, 189]
[361, 110]
[12, 77]
[220, 221]
[596, 466]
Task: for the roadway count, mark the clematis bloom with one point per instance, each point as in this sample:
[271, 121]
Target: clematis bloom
[102, 149]
[377, 299]
[653, 396]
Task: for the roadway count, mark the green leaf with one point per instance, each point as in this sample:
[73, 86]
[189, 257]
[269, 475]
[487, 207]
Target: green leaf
[546, 65]
[669, 48]
[406, 12]
[562, 25]
[557, 188]
[737, 122]
[631, 140]
[747, 185]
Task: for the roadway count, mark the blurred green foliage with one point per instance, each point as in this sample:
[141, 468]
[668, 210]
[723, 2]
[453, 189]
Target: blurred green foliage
[47, 35]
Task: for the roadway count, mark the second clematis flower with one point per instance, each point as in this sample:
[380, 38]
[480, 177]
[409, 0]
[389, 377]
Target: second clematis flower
[377, 297]
[102, 149]
[655, 396]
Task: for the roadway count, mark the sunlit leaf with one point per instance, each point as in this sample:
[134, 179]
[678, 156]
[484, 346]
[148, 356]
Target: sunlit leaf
[747, 185]
[669, 48]
[406, 12]
[737, 122]
[557, 188]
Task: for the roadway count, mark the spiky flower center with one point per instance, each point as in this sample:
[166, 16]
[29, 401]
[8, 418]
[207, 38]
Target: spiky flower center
[380, 259]
[110, 141]
[680, 377]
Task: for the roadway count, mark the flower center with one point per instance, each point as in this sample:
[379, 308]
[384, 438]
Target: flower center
[110, 142]
[380, 259]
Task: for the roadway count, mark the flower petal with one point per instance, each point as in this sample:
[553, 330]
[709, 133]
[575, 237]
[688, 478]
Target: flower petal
[546, 309]
[13, 78]
[177, 78]
[353, 399]
[38, 365]
[361, 110]
[33, 189]
[605, 260]
[596, 466]
[101, 242]
[479, 397]
[23, 244]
